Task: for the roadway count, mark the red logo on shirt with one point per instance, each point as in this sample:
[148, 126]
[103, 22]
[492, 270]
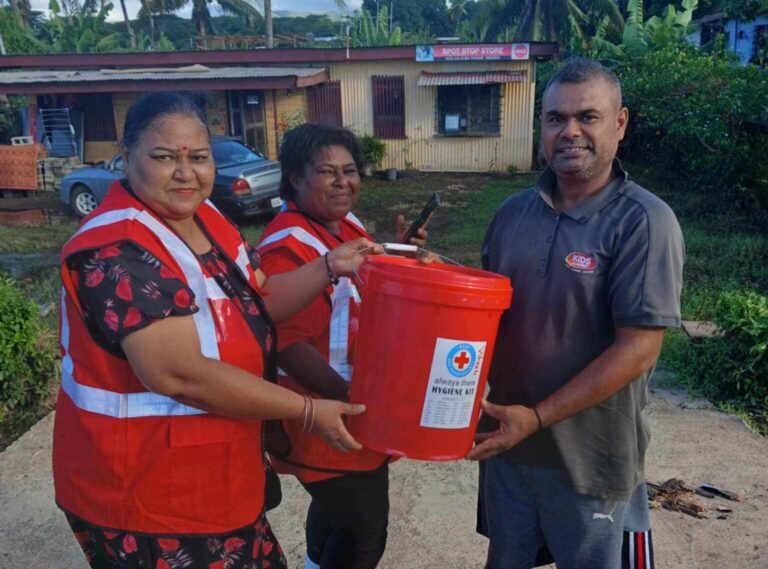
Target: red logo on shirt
[580, 262]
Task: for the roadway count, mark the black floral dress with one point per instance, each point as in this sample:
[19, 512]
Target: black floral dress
[123, 288]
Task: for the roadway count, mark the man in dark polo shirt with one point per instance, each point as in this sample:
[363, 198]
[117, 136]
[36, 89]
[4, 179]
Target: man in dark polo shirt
[596, 265]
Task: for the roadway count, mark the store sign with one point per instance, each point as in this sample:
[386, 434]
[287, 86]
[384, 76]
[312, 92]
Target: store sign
[473, 52]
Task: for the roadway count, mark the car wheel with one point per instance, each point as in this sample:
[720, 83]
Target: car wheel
[82, 200]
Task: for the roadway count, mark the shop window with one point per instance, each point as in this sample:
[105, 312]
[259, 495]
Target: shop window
[388, 106]
[469, 110]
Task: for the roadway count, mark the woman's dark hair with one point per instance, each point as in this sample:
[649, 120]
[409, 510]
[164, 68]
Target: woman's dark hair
[301, 146]
[151, 107]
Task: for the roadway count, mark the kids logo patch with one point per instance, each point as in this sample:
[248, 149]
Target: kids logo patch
[580, 262]
[461, 360]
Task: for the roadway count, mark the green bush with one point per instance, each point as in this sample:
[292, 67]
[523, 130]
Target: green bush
[27, 361]
[689, 115]
[733, 366]
[374, 150]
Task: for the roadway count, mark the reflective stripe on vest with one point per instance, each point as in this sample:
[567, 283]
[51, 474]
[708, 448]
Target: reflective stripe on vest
[342, 292]
[148, 404]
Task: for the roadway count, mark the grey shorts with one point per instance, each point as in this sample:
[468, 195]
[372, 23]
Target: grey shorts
[525, 510]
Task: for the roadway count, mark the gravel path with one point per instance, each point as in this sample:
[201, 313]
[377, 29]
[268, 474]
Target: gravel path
[433, 504]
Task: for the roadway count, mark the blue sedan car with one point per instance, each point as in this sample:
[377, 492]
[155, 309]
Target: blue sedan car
[246, 182]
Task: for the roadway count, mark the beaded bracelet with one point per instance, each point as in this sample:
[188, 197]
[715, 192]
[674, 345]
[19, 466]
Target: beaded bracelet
[331, 274]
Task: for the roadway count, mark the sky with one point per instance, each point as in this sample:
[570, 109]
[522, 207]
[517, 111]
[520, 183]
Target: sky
[316, 6]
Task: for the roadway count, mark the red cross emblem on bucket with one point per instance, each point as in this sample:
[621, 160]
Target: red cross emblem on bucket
[460, 360]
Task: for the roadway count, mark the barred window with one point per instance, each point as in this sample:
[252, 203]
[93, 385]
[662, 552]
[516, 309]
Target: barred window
[325, 103]
[468, 110]
[388, 106]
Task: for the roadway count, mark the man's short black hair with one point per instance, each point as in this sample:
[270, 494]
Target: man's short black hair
[301, 146]
[581, 70]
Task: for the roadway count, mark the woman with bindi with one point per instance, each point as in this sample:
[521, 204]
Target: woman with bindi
[168, 339]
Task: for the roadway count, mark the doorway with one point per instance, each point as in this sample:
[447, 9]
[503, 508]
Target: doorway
[247, 122]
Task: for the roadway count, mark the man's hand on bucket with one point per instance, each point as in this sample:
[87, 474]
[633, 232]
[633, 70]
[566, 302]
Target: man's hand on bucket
[516, 423]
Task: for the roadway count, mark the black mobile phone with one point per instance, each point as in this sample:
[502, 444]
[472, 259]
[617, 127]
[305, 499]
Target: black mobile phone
[422, 218]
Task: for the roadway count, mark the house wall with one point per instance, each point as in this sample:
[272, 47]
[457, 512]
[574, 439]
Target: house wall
[216, 109]
[741, 37]
[121, 102]
[423, 148]
[99, 151]
[284, 110]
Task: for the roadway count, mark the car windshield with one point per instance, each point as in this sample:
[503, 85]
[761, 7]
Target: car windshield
[231, 153]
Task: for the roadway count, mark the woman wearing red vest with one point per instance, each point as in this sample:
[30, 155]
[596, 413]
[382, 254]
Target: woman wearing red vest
[347, 518]
[166, 332]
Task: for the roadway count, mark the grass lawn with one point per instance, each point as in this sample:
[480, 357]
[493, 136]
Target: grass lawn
[727, 249]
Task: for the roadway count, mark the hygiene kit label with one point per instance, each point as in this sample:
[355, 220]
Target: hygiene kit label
[453, 383]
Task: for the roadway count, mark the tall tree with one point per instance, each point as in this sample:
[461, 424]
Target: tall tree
[457, 12]
[414, 15]
[128, 27]
[201, 16]
[268, 35]
[23, 9]
[547, 20]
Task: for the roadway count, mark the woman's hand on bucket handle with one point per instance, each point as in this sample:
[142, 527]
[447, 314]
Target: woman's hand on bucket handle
[345, 259]
[420, 239]
[516, 423]
[329, 423]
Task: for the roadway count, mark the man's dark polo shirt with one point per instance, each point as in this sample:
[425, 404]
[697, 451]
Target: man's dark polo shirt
[614, 260]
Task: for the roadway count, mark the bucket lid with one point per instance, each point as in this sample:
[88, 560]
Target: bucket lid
[441, 282]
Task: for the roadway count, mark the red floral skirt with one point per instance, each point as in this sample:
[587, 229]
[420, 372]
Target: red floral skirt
[251, 547]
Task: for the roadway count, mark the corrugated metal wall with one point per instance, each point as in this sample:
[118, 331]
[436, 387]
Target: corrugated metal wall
[423, 149]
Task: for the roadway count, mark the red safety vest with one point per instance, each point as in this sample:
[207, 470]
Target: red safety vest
[305, 239]
[125, 457]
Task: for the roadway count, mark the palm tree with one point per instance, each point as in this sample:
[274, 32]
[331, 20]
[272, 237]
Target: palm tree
[23, 9]
[128, 27]
[546, 20]
[457, 11]
[201, 16]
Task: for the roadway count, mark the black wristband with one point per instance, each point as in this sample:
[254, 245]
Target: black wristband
[331, 275]
[538, 417]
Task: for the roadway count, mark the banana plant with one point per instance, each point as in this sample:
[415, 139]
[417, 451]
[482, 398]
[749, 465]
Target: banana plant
[83, 31]
[367, 33]
[640, 34]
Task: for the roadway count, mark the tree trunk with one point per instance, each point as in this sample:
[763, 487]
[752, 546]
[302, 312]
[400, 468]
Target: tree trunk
[15, 7]
[148, 10]
[268, 39]
[129, 29]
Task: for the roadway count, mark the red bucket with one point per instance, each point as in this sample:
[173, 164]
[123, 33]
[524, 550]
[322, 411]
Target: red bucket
[423, 351]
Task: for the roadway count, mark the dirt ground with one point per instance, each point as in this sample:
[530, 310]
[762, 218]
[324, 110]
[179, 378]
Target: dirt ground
[433, 504]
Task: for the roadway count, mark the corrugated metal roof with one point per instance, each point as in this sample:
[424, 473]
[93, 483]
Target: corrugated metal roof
[427, 79]
[154, 74]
